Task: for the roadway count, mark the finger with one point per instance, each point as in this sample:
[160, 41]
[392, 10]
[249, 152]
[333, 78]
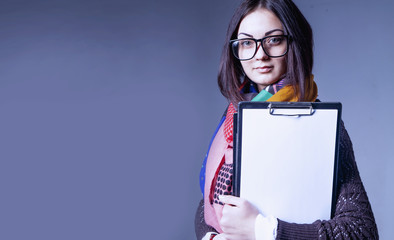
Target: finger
[231, 200]
[229, 212]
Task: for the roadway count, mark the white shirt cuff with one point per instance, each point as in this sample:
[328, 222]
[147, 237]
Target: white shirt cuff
[265, 227]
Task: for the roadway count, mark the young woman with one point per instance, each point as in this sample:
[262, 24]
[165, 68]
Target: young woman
[268, 56]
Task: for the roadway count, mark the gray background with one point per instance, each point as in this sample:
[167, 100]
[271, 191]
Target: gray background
[107, 109]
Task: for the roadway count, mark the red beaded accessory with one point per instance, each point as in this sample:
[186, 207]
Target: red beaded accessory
[228, 123]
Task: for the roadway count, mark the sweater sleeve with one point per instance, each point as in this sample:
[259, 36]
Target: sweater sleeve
[201, 227]
[353, 217]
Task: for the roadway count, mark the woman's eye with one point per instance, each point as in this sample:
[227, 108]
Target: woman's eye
[246, 43]
[274, 40]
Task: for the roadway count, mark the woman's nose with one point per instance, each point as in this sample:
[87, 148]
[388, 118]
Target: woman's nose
[260, 54]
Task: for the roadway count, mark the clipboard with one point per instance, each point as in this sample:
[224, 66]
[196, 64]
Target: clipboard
[286, 158]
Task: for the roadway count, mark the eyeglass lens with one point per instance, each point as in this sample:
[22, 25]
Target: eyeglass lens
[274, 46]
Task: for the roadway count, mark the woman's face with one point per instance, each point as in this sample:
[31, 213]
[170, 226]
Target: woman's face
[262, 69]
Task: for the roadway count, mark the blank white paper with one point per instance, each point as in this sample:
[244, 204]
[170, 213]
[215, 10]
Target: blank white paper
[287, 166]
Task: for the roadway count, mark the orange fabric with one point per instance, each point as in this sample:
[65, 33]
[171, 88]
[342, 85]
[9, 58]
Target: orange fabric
[286, 94]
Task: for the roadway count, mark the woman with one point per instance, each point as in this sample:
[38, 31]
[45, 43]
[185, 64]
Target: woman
[268, 56]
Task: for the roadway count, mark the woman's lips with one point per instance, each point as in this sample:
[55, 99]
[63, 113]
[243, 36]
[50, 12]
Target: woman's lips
[265, 69]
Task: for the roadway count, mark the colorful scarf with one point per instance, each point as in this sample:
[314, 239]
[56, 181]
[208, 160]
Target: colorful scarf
[278, 92]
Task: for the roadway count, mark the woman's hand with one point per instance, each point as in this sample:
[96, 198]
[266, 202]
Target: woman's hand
[238, 218]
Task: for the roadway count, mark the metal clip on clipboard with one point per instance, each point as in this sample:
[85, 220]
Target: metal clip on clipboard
[291, 109]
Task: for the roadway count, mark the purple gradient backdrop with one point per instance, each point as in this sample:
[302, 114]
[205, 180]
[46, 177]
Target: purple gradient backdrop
[107, 108]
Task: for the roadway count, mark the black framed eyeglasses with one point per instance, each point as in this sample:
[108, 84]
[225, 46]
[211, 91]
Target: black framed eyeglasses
[273, 46]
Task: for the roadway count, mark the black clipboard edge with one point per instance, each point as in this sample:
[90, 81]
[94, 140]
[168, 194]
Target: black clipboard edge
[237, 141]
[237, 171]
[336, 161]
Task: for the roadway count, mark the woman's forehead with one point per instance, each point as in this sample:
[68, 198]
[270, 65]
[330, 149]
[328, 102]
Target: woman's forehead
[259, 22]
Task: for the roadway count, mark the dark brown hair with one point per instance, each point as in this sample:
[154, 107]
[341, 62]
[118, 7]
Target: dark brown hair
[299, 59]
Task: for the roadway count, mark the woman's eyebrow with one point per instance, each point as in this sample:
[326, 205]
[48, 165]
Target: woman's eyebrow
[269, 32]
[248, 35]
[266, 34]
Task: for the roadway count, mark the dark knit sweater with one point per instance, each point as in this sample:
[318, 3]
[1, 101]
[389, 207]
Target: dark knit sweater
[353, 217]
